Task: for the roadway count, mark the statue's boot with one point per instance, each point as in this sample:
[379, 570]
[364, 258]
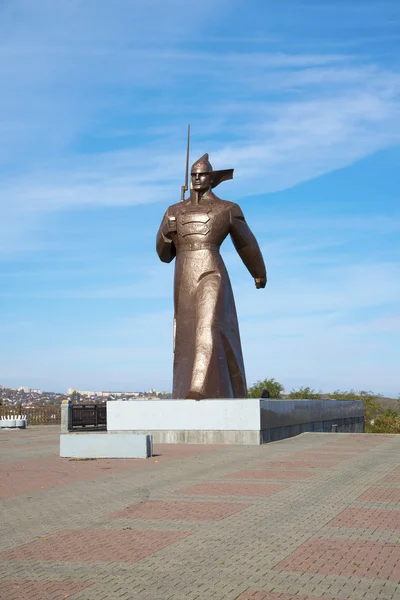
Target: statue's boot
[194, 396]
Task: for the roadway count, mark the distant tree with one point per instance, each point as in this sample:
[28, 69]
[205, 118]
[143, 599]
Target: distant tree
[373, 409]
[274, 387]
[75, 396]
[353, 395]
[305, 392]
[387, 422]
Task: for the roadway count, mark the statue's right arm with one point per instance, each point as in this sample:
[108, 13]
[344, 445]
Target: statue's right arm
[164, 244]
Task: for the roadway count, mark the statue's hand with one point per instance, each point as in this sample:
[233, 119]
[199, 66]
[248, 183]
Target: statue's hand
[260, 282]
[169, 226]
[171, 223]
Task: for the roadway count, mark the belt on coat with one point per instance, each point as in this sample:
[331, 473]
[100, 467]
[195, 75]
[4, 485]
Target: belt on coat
[197, 246]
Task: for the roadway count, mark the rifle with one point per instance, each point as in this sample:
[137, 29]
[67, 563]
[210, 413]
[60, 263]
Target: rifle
[185, 187]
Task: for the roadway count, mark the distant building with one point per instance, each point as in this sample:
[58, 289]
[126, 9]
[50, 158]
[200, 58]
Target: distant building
[120, 394]
[89, 394]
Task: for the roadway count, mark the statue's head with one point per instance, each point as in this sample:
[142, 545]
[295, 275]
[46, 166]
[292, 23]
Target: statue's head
[200, 174]
[203, 177]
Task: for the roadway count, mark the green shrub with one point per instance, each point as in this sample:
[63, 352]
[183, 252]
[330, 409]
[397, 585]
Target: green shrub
[274, 387]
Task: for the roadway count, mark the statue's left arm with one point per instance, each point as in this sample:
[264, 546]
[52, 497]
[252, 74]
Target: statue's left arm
[164, 243]
[247, 246]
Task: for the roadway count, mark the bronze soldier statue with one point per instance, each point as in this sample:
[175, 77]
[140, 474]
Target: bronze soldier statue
[208, 361]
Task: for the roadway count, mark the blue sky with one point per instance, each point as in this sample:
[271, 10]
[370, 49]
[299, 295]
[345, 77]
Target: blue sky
[302, 99]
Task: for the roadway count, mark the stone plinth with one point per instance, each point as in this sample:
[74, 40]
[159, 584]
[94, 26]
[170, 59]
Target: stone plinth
[248, 421]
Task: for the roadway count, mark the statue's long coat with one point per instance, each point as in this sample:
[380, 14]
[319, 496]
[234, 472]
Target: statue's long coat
[207, 350]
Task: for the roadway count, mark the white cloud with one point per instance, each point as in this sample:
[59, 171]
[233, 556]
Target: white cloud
[282, 144]
[279, 118]
[329, 288]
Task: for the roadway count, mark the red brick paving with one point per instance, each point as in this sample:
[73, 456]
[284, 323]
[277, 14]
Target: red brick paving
[346, 449]
[38, 474]
[301, 464]
[380, 494]
[391, 479]
[271, 474]
[360, 518]
[27, 445]
[362, 440]
[180, 511]
[47, 472]
[91, 545]
[359, 558]
[350, 447]
[167, 452]
[39, 590]
[262, 595]
[235, 489]
[322, 455]
[83, 546]
[365, 439]
[255, 595]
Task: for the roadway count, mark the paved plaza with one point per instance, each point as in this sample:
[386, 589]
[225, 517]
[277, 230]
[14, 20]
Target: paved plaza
[309, 518]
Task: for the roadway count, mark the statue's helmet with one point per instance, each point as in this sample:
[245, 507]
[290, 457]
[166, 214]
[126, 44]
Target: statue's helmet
[203, 165]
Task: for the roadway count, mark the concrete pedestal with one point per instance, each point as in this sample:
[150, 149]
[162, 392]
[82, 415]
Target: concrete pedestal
[248, 421]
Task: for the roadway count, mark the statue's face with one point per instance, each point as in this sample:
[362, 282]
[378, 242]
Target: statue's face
[201, 181]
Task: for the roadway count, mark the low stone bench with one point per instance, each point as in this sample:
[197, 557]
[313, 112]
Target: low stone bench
[106, 444]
